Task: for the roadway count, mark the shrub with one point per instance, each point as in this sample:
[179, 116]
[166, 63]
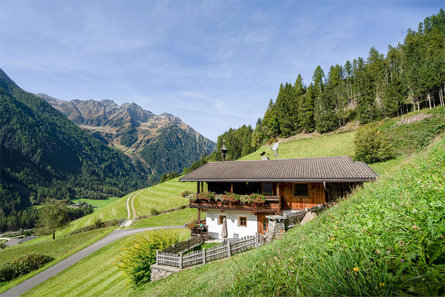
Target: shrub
[371, 145]
[186, 193]
[98, 223]
[193, 197]
[23, 265]
[136, 259]
[2, 245]
[153, 211]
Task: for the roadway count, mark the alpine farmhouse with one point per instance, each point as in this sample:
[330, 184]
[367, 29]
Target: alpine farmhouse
[245, 192]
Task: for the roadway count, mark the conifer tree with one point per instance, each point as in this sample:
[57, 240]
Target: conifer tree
[306, 110]
[325, 119]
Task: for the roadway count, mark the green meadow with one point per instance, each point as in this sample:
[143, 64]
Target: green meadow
[341, 144]
[96, 275]
[97, 203]
[60, 248]
[177, 218]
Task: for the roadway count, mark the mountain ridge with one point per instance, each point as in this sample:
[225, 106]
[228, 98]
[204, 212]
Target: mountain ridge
[127, 127]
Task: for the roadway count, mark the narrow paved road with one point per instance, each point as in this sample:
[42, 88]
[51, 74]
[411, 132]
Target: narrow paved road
[73, 259]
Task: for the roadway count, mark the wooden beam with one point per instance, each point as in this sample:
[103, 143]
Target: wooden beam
[231, 187]
[199, 215]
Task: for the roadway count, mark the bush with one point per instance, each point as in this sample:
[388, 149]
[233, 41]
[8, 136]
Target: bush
[98, 223]
[23, 265]
[193, 197]
[371, 145]
[136, 259]
[186, 193]
[153, 211]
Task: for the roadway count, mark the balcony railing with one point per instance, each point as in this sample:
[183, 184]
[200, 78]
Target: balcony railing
[271, 205]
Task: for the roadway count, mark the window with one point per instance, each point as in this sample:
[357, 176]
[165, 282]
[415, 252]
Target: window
[268, 189]
[221, 219]
[264, 224]
[301, 190]
[242, 221]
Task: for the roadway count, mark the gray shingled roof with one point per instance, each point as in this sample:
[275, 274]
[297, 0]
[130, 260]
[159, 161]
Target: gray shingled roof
[329, 169]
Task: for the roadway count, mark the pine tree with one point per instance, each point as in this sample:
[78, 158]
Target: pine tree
[306, 110]
[325, 118]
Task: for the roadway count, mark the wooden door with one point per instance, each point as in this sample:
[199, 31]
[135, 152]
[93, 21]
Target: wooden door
[262, 223]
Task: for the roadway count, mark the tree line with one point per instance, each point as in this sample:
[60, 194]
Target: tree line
[411, 76]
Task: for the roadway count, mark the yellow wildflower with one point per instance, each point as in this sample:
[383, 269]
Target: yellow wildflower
[333, 238]
[381, 284]
[356, 269]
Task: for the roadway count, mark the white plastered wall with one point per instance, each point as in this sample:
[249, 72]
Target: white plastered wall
[214, 230]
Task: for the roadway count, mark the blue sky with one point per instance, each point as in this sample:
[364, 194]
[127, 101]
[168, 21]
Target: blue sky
[215, 64]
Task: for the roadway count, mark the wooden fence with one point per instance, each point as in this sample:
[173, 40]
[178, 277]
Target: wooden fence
[184, 245]
[215, 253]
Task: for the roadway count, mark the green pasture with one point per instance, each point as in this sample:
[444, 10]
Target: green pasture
[96, 275]
[60, 248]
[177, 218]
[97, 203]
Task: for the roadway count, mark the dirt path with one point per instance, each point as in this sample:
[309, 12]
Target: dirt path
[130, 210]
[73, 259]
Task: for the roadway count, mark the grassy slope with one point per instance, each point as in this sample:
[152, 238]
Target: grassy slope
[60, 248]
[97, 203]
[161, 197]
[176, 218]
[320, 146]
[96, 275]
[392, 231]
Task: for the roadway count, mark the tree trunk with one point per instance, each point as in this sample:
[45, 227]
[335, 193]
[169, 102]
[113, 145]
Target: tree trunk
[429, 99]
[418, 106]
[54, 234]
[441, 97]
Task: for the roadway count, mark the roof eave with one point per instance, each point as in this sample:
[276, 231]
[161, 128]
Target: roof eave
[277, 180]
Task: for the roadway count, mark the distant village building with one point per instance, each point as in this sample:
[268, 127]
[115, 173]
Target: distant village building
[285, 186]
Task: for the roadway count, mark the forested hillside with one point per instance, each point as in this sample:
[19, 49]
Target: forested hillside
[409, 77]
[44, 155]
[163, 143]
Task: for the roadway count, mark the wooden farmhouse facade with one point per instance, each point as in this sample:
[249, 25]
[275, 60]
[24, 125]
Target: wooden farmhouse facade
[227, 190]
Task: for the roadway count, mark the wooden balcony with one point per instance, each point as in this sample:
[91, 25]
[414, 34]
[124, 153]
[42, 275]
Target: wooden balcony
[272, 205]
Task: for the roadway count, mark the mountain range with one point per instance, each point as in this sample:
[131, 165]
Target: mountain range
[127, 127]
[89, 149]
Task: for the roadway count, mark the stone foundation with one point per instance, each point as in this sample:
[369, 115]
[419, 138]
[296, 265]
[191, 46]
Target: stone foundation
[160, 271]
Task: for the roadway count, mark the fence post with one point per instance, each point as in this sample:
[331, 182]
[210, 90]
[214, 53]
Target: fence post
[157, 257]
[203, 255]
[256, 239]
[229, 252]
[180, 261]
[261, 240]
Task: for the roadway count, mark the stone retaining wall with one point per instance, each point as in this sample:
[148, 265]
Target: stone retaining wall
[160, 271]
